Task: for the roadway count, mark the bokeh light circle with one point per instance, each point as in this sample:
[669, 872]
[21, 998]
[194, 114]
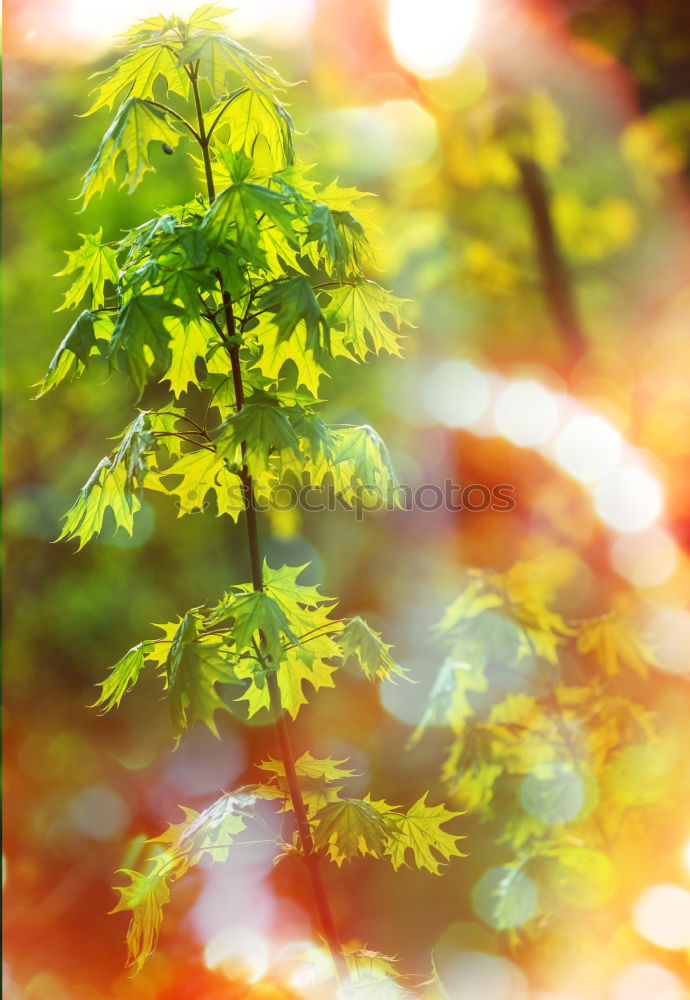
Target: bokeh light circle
[526, 413]
[645, 558]
[646, 981]
[239, 953]
[669, 636]
[475, 974]
[456, 393]
[662, 915]
[629, 499]
[430, 38]
[588, 446]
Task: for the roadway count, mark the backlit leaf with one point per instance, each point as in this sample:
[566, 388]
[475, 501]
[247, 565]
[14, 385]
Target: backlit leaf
[254, 124]
[200, 472]
[419, 831]
[106, 489]
[141, 337]
[136, 125]
[448, 703]
[364, 644]
[196, 663]
[221, 59]
[78, 346]
[349, 828]
[189, 340]
[208, 833]
[266, 433]
[137, 73]
[359, 307]
[97, 263]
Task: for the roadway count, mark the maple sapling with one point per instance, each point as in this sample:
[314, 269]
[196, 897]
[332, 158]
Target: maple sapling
[241, 296]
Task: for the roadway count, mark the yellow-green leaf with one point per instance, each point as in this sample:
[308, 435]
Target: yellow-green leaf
[419, 831]
[97, 263]
[136, 125]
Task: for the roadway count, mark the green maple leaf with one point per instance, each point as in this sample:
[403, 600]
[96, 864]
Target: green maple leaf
[363, 460]
[77, 347]
[183, 284]
[209, 833]
[277, 352]
[361, 642]
[136, 445]
[141, 336]
[189, 340]
[258, 618]
[201, 471]
[305, 608]
[197, 663]
[235, 215]
[301, 666]
[97, 263]
[137, 124]
[106, 489]
[117, 480]
[122, 677]
[268, 437]
[137, 73]
[297, 667]
[348, 828]
[220, 58]
[318, 441]
[145, 236]
[147, 28]
[256, 125]
[192, 242]
[145, 896]
[307, 766]
[359, 307]
[293, 303]
[419, 830]
[206, 17]
[125, 673]
[340, 240]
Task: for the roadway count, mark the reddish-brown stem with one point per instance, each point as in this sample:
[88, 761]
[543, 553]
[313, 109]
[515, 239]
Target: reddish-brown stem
[309, 855]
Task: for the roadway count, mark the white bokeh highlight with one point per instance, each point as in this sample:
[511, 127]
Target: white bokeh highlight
[629, 498]
[645, 558]
[429, 38]
[662, 916]
[669, 636]
[475, 974]
[239, 952]
[456, 393]
[588, 446]
[526, 413]
[584, 445]
[646, 981]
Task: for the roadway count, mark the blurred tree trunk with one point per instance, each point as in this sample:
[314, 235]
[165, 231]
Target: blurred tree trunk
[556, 278]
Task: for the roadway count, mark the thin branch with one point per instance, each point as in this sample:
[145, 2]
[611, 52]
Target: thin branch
[175, 114]
[197, 444]
[213, 396]
[233, 97]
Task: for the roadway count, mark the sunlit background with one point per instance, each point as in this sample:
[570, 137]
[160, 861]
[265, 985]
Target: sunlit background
[582, 405]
